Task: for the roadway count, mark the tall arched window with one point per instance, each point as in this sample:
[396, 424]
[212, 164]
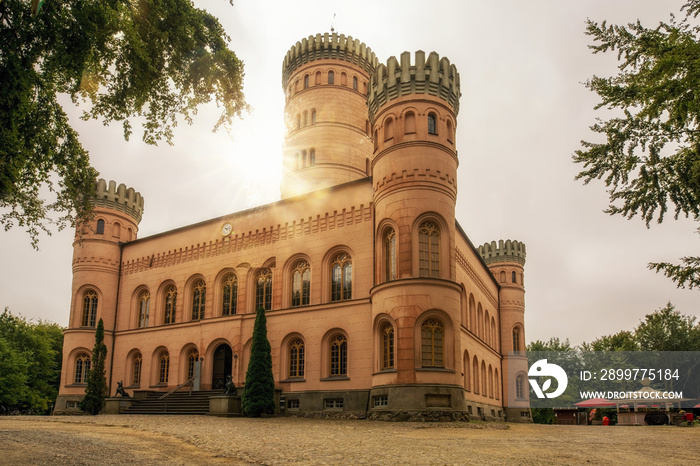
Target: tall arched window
[432, 336]
[513, 277]
[341, 277]
[520, 386]
[136, 364]
[116, 230]
[475, 372]
[170, 302]
[306, 118]
[449, 131]
[313, 116]
[144, 308]
[354, 82]
[467, 375]
[339, 355]
[306, 81]
[387, 345]
[199, 293]
[388, 129]
[164, 368]
[312, 157]
[89, 309]
[432, 123]
[429, 249]
[390, 254]
[331, 77]
[263, 290]
[82, 367]
[301, 284]
[484, 380]
[409, 124]
[230, 295]
[516, 340]
[317, 78]
[296, 358]
[100, 227]
[192, 358]
[343, 79]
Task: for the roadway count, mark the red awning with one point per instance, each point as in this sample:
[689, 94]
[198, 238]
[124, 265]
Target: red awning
[593, 402]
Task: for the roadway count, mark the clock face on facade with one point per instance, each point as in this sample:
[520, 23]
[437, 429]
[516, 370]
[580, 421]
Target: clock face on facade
[226, 229]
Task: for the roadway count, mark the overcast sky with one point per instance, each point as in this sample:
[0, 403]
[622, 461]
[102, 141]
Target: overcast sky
[523, 113]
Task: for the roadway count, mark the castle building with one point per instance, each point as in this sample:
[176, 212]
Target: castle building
[377, 302]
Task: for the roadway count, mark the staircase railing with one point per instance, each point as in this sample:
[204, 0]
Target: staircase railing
[184, 384]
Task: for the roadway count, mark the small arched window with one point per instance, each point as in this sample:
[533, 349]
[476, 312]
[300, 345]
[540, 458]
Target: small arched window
[301, 284]
[390, 254]
[317, 78]
[170, 302]
[449, 131]
[82, 367]
[230, 296]
[343, 79]
[409, 123]
[513, 277]
[144, 308]
[192, 358]
[100, 227]
[429, 249]
[520, 387]
[432, 123]
[354, 82]
[296, 358]
[338, 355]
[263, 290]
[306, 81]
[116, 230]
[388, 129]
[136, 364]
[387, 345]
[313, 116]
[299, 121]
[331, 77]
[341, 277]
[306, 118]
[432, 338]
[516, 340]
[89, 316]
[303, 159]
[164, 367]
[199, 293]
[312, 157]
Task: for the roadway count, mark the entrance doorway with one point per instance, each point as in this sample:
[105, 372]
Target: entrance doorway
[223, 360]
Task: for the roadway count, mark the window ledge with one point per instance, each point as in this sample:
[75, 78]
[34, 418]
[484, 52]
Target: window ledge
[334, 378]
[76, 385]
[433, 369]
[293, 380]
[386, 371]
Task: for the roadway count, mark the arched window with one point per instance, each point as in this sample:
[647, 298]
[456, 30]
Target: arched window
[484, 380]
[331, 77]
[467, 375]
[475, 372]
[513, 277]
[502, 276]
[338, 355]
[429, 249]
[490, 381]
[306, 118]
[343, 79]
[192, 358]
[516, 340]
[306, 81]
[432, 336]
[388, 129]
[89, 309]
[144, 308]
[409, 124]
[230, 296]
[432, 123]
[520, 386]
[341, 277]
[303, 159]
[299, 121]
[354, 82]
[116, 230]
[390, 254]
[312, 157]
[313, 116]
[449, 131]
[301, 284]
[387, 346]
[317, 78]
[170, 302]
[164, 368]
[263, 290]
[137, 362]
[199, 293]
[296, 358]
[497, 384]
[82, 367]
[100, 227]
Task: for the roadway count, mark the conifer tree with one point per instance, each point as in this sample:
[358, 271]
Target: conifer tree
[259, 391]
[96, 390]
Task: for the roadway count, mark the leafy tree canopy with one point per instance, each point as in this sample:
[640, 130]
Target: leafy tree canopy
[30, 367]
[154, 60]
[650, 159]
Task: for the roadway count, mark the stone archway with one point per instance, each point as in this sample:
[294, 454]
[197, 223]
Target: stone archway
[223, 360]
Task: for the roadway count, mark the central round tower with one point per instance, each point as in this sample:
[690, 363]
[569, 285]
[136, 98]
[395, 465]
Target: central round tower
[325, 78]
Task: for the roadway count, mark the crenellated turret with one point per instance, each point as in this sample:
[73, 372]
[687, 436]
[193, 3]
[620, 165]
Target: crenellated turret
[508, 251]
[118, 198]
[325, 78]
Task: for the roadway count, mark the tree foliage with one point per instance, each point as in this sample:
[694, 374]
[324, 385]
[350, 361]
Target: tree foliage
[150, 60]
[650, 160]
[30, 363]
[259, 391]
[96, 390]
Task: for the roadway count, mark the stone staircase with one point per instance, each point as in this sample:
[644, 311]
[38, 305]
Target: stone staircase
[180, 402]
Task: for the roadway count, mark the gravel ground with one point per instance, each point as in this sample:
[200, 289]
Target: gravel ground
[201, 440]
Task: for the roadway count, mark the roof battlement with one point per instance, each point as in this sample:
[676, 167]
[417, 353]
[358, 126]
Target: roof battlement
[119, 198]
[505, 251]
[322, 46]
[436, 77]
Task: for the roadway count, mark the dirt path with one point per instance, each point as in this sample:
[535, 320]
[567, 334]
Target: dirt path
[201, 440]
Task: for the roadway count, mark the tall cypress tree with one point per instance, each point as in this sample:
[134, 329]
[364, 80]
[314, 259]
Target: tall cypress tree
[259, 392]
[96, 390]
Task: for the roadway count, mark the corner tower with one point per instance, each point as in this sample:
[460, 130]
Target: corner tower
[96, 270]
[325, 79]
[416, 300]
[506, 261]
